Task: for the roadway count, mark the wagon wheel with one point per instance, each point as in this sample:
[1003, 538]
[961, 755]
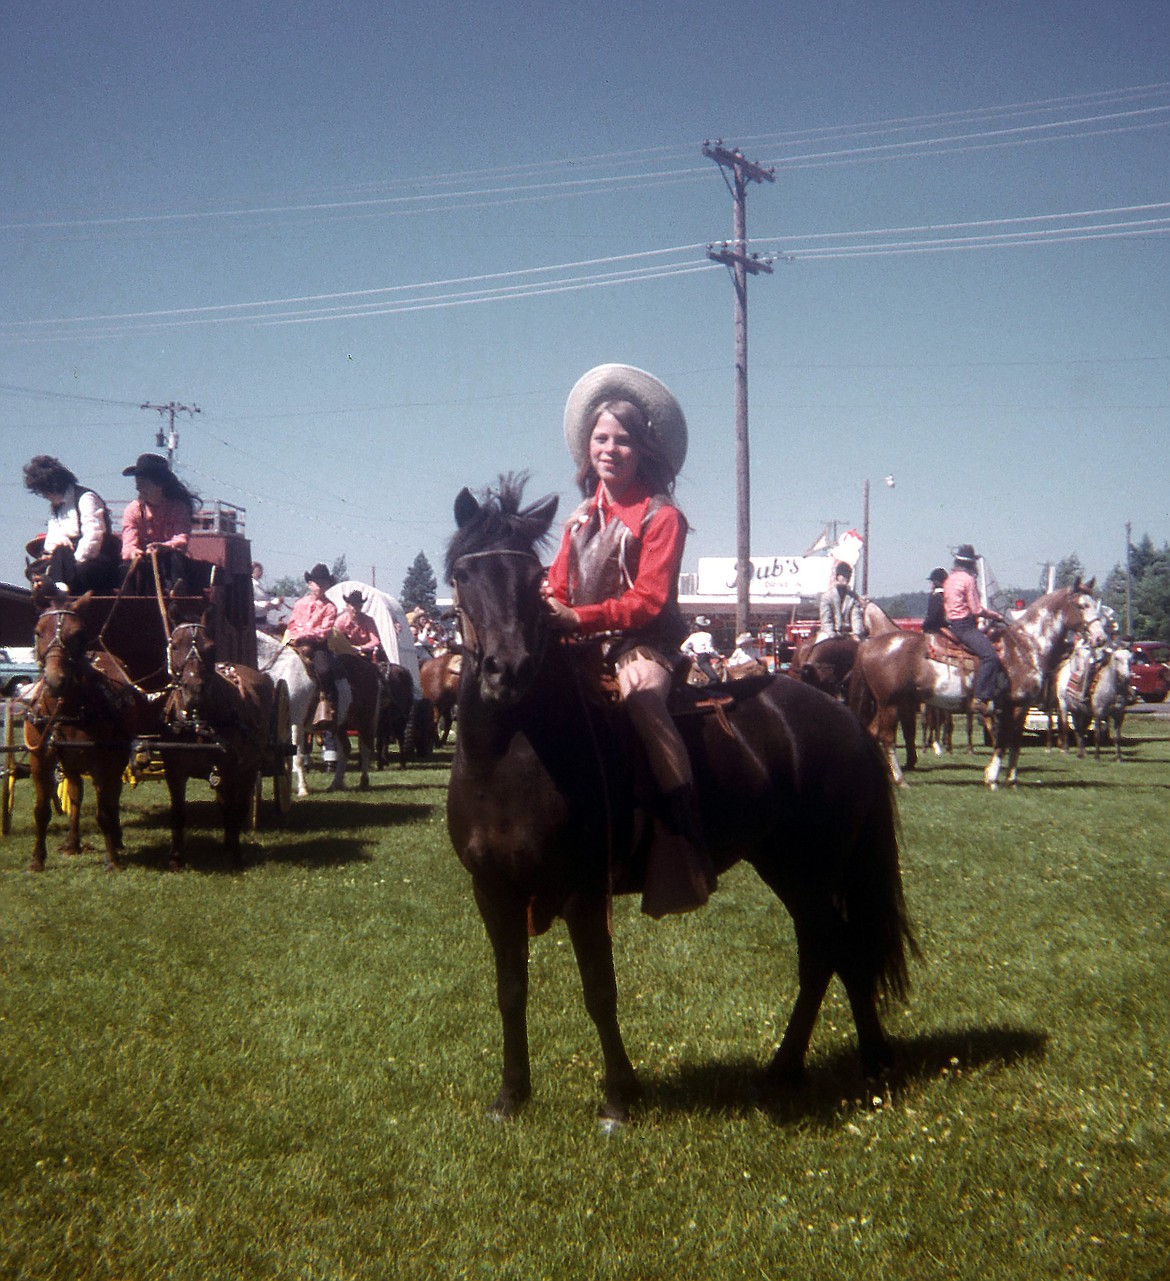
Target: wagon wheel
[7, 772]
[281, 760]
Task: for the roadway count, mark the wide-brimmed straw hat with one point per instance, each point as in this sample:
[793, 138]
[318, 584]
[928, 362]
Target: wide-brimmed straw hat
[965, 555]
[319, 574]
[150, 467]
[355, 598]
[667, 425]
[745, 638]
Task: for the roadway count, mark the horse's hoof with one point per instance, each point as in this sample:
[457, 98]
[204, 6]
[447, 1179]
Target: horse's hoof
[335, 786]
[36, 866]
[608, 1125]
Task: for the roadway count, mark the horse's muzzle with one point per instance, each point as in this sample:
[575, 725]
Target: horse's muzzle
[504, 682]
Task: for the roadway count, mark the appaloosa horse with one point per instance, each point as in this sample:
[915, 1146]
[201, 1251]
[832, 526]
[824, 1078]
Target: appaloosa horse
[217, 726]
[542, 803]
[898, 673]
[82, 716]
[1099, 704]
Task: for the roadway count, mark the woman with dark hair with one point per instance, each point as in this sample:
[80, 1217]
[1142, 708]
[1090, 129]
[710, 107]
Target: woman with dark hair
[617, 572]
[77, 553]
[156, 525]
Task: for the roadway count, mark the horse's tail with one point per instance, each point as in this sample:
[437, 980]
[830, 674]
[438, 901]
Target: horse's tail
[872, 900]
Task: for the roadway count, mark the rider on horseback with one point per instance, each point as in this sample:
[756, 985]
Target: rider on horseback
[310, 625]
[617, 571]
[963, 610]
[842, 611]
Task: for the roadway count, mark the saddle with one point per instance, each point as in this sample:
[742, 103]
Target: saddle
[945, 647]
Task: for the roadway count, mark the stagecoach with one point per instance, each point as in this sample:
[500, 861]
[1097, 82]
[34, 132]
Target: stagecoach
[135, 632]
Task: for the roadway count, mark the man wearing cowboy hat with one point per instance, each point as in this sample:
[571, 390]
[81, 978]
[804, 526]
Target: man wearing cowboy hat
[358, 628]
[308, 630]
[617, 572]
[156, 525]
[700, 647]
[963, 610]
[842, 612]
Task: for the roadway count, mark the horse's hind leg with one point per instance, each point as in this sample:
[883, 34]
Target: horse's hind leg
[74, 794]
[585, 916]
[814, 970]
[506, 921]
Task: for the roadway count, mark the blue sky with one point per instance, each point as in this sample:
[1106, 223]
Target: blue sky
[376, 244]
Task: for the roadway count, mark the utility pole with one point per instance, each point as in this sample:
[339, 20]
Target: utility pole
[170, 438]
[736, 257]
[1128, 579]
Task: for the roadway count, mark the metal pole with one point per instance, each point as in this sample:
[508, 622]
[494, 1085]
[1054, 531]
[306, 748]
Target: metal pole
[865, 538]
[743, 520]
[1128, 580]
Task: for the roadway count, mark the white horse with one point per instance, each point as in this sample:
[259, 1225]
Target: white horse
[282, 662]
[1103, 700]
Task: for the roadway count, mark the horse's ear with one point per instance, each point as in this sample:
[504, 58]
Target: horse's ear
[466, 507]
[540, 515]
[1088, 587]
[41, 598]
[83, 604]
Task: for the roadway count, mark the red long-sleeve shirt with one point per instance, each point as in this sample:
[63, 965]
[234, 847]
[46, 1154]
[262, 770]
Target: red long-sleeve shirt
[659, 563]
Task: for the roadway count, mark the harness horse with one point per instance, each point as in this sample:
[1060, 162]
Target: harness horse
[542, 810]
[217, 720]
[83, 715]
[898, 673]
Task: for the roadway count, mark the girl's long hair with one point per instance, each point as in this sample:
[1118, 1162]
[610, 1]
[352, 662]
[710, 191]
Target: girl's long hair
[653, 466]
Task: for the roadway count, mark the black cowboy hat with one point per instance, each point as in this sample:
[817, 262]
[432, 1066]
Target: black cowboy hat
[355, 598]
[319, 574]
[150, 467]
[937, 576]
[965, 554]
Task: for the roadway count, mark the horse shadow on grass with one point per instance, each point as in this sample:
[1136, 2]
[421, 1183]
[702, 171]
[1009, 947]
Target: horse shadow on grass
[833, 1086]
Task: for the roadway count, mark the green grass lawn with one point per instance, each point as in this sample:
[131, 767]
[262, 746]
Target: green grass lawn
[285, 1072]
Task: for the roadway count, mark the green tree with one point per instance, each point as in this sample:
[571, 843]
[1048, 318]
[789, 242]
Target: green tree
[1069, 570]
[339, 569]
[290, 587]
[419, 586]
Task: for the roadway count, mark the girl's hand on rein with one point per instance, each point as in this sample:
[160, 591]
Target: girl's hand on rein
[563, 617]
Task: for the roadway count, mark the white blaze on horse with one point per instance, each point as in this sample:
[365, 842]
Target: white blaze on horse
[1099, 699]
[900, 674]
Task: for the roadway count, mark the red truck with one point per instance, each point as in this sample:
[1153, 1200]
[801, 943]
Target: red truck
[1150, 670]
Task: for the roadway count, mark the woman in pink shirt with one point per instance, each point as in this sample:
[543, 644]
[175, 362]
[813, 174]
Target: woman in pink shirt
[617, 571]
[358, 628]
[155, 527]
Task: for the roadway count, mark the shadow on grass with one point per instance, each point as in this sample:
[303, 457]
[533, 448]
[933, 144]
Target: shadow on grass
[834, 1085]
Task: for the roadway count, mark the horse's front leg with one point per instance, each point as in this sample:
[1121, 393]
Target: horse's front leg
[887, 731]
[364, 761]
[177, 787]
[43, 784]
[506, 920]
[298, 760]
[235, 793]
[588, 923]
[341, 751]
[109, 798]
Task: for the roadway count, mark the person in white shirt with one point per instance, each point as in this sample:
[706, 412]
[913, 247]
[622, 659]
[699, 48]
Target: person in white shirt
[700, 646]
[78, 552]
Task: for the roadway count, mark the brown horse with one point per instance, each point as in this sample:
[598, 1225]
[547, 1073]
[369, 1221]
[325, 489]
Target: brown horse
[542, 802]
[83, 715]
[360, 718]
[897, 673]
[218, 720]
[439, 678]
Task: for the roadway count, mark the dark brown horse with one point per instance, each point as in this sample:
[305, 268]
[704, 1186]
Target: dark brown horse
[218, 721]
[895, 673]
[83, 715]
[542, 803]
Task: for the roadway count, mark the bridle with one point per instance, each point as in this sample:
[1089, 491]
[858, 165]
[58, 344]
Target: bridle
[467, 627]
[192, 653]
[57, 641]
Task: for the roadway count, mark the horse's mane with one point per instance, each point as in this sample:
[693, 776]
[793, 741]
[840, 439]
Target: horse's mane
[1051, 602]
[497, 521]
